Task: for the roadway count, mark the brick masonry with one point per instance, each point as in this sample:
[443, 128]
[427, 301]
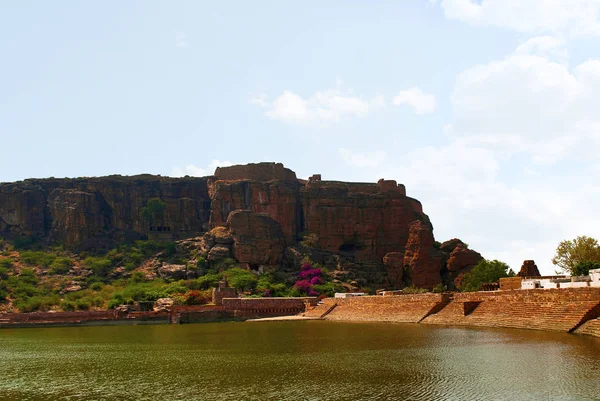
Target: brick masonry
[551, 309]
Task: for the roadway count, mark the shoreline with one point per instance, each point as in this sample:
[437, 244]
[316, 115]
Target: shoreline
[574, 311]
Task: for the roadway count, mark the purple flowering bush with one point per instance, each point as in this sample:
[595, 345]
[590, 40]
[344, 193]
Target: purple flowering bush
[309, 277]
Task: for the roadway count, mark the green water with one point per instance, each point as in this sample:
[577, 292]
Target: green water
[295, 361]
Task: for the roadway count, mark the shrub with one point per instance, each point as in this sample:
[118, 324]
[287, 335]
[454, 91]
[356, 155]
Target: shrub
[37, 303]
[37, 258]
[28, 276]
[82, 304]
[3, 273]
[97, 286]
[414, 290]
[439, 288]
[196, 297]
[6, 264]
[99, 265]
[3, 295]
[67, 306]
[60, 265]
[241, 279]
[115, 301]
[137, 277]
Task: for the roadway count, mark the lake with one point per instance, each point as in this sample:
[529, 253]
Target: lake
[310, 360]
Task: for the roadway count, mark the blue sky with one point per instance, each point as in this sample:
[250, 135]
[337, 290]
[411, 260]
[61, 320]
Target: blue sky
[486, 110]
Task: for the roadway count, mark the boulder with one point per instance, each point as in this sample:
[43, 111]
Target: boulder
[172, 272]
[448, 246]
[218, 253]
[257, 238]
[462, 257]
[163, 304]
[422, 259]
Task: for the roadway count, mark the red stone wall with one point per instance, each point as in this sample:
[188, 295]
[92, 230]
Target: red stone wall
[255, 172]
[267, 303]
[401, 308]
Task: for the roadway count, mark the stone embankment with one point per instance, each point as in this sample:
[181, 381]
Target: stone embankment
[231, 309]
[563, 310]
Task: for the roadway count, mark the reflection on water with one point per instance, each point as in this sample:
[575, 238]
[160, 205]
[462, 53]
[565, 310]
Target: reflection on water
[296, 361]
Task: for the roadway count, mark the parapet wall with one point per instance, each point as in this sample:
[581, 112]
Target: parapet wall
[551, 310]
[401, 308]
[256, 304]
[534, 295]
[255, 172]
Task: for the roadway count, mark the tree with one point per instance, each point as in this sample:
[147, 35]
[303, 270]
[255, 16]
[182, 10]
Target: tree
[583, 268]
[486, 271]
[570, 253]
[154, 210]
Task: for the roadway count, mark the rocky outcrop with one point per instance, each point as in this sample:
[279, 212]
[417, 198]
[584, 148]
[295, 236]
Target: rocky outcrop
[172, 272]
[89, 212]
[257, 238]
[462, 258]
[364, 220]
[278, 199]
[422, 259]
[252, 213]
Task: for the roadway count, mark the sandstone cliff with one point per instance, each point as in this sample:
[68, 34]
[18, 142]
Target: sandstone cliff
[356, 224]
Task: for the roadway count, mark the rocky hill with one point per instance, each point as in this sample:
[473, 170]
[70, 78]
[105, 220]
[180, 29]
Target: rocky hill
[260, 215]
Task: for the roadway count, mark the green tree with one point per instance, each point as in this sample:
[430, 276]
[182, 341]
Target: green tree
[583, 268]
[486, 271]
[570, 253]
[154, 210]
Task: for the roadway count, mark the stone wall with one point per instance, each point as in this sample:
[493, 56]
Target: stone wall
[510, 283]
[590, 328]
[401, 308]
[267, 303]
[255, 172]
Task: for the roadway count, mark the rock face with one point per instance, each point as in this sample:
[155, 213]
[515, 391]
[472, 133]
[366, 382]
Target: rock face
[529, 269]
[251, 213]
[462, 258]
[394, 264]
[86, 212]
[257, 238]
[422, 259]
[365, 220]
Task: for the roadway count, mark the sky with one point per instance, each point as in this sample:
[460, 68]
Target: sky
[487, 110]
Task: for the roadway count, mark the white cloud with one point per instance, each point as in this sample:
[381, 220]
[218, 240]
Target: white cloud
[527, 102]
[195, 171]
[370, 159]
[421, 102]
[330, 105]
[551, 47]
[463, 190]
[498, 184]
[575, 17]
[181, 40]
